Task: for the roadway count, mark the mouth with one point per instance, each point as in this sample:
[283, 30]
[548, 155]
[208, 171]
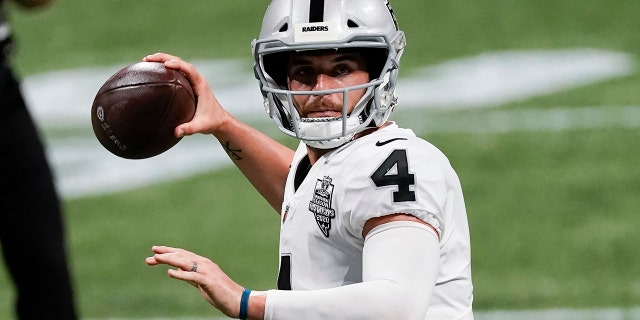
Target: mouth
[324, 114]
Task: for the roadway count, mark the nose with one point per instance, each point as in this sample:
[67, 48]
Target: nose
[323, 82]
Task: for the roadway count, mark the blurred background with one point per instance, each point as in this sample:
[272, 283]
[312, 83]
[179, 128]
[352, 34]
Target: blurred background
[535, 102]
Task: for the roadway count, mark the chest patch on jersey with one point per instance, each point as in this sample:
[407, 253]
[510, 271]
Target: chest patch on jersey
[320, 204]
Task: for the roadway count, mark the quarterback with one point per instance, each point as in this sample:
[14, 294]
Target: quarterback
[373, 220]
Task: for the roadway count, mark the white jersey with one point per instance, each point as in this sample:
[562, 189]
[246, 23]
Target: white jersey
[388, 171]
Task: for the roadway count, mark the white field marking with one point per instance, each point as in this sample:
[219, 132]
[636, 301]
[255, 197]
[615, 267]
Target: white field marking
[492, 79]
[522, 120]
[63, 99]
[83, 167]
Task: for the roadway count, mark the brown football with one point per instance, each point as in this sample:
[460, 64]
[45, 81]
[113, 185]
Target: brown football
[136, 110]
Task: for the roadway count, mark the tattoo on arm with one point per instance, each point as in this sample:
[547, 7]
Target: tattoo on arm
[233, 153]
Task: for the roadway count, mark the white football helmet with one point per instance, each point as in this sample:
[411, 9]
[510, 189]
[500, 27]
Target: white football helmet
[368, 26]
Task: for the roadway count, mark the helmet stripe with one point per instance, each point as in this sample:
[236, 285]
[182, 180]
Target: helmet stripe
[316, 11]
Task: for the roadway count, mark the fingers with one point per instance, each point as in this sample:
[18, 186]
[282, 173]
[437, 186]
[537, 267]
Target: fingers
[174, 62]
[187, 263]
[165, 249]
[160, 57]
[174, 257]
[192, 278]
[157, 250]
[209, 114]
[214, 285]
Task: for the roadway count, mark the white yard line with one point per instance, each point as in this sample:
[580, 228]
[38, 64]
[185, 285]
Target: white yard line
[62, 100]
[522, 120]
[84, 168]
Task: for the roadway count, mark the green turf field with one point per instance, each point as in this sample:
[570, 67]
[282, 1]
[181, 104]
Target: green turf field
[553, 213]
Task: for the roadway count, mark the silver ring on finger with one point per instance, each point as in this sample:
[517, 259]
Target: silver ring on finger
[194, 267]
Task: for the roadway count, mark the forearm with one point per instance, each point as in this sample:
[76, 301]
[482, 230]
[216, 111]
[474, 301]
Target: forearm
[401, 263]
[264, 161]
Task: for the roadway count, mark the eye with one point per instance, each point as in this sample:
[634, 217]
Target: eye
[342, 69]
[304, 71]
[301, 73]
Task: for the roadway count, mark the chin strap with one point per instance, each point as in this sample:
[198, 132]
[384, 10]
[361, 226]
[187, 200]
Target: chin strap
[327, 127]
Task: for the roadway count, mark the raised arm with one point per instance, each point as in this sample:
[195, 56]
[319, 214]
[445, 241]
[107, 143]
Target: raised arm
[264, 161]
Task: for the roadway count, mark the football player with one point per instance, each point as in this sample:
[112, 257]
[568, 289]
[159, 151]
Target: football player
[373, 221]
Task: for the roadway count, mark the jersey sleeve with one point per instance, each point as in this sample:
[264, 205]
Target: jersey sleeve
[408, 176]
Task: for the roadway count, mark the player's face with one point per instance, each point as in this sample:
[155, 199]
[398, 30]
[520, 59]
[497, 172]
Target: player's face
[324, 71]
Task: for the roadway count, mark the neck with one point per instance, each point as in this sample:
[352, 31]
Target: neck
[315, 153]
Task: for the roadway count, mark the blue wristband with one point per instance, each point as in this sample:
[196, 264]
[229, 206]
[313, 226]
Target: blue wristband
[244, 304]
